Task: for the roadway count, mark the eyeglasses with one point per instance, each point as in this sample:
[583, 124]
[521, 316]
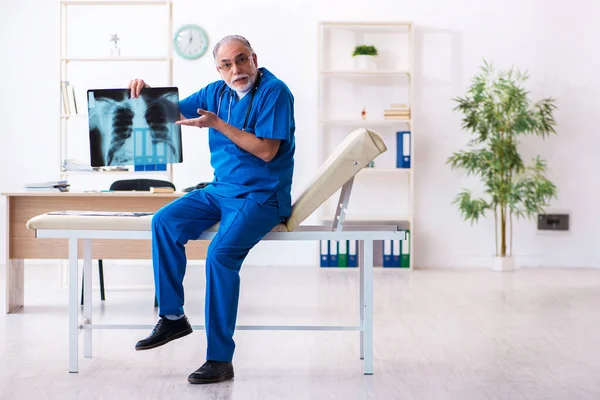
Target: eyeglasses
[240, 61]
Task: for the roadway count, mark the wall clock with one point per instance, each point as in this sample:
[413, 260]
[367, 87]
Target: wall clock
[190, 42]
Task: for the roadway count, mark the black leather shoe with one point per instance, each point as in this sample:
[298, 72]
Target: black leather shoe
[212, 372]
[165, 331]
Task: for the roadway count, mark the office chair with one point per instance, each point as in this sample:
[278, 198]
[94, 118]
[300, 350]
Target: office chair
[140, 185]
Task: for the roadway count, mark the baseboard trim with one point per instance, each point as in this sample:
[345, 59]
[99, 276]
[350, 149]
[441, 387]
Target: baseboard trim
[521, 261]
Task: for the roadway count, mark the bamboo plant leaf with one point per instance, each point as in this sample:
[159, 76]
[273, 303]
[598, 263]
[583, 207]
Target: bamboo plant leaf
[496, 110]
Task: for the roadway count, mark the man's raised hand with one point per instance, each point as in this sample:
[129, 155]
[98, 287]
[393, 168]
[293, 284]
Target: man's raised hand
[136, 86]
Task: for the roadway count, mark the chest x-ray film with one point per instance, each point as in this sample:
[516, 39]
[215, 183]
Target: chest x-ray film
[128, 131]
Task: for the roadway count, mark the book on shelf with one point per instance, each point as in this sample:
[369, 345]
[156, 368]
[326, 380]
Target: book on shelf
[396, 253]
[344, 253]
[405, 250]
[387, 253]
[68, 98]
[338, 253]
[396, 117]
[403, 153]
[397, 112]
[352, 246]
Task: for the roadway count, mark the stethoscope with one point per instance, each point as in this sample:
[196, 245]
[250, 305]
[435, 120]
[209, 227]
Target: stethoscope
[254, 89]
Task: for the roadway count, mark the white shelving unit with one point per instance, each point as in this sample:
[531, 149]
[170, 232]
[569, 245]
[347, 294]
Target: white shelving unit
[66, 60]
[384, 193]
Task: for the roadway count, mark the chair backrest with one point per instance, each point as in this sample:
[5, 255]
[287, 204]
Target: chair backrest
[140, 184]
[355, 152]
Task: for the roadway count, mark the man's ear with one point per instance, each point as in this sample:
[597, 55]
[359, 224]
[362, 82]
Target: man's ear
[255, 59]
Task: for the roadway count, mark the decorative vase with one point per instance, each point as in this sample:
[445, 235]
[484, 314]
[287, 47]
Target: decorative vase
[115, 50]
[503, 264]
[365, 62]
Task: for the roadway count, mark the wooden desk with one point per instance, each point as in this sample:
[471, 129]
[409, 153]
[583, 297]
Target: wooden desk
[21, 243]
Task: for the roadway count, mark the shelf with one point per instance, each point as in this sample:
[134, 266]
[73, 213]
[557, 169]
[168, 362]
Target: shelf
[365, 219]
[115, 3]
[114, 59]
[346, 73]
[354, 24]
[375, 170]
[381, 195]
[76, 172]
[68, 116]
[370, 27]
[365, 122]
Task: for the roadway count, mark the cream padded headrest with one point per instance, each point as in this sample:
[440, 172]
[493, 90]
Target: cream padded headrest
[354, 153]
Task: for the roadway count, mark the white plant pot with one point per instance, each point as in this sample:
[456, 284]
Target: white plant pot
[503, 264]
[365, 63]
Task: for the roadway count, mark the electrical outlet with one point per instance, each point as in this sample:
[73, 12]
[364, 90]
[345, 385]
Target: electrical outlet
[553, 222]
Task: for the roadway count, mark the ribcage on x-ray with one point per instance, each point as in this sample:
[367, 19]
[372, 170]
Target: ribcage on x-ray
[121, 129]
[155, 116]
[134, 129]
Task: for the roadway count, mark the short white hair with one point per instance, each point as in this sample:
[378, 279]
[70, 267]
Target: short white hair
[232, 38]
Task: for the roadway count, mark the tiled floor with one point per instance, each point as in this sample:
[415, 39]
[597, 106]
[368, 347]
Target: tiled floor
[439, 334]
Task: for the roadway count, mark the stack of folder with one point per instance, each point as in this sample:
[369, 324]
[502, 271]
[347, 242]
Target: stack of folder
[399, 112]
[396, 253]
[343, 253]
[339, 253]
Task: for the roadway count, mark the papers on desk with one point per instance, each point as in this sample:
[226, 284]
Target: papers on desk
[51, 186]
[101, 213]
[76, 165]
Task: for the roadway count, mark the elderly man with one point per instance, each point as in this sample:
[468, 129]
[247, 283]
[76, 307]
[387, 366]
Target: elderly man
[250, 116]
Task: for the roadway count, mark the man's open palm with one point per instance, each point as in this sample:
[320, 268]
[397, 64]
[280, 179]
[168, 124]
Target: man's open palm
[206, 119]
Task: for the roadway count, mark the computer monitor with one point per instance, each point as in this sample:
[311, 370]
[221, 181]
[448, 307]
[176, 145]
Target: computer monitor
[128, 131]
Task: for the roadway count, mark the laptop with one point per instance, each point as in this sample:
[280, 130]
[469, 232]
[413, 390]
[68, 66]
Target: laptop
[141, 131]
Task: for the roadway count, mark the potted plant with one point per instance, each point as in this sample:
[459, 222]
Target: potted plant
[497, 111]
[365, 56]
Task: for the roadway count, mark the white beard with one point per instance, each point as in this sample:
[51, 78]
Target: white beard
[241, 92]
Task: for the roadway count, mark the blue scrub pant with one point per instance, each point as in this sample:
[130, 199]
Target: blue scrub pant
[243, 223]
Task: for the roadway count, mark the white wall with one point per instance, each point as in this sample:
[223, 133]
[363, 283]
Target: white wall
[555, 42]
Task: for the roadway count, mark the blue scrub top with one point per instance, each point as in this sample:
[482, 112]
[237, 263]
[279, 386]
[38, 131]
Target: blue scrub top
[239, 173]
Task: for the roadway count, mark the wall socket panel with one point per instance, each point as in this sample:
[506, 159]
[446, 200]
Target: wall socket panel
[553, 222]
